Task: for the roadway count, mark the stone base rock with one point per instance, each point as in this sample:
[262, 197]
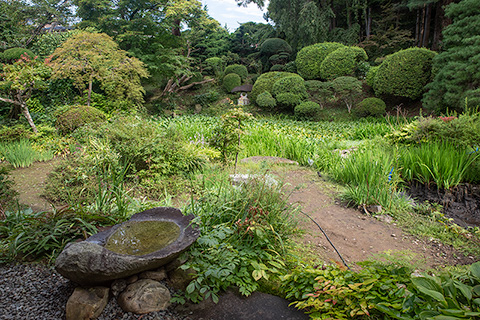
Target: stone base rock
[86, 304]
[144, 296]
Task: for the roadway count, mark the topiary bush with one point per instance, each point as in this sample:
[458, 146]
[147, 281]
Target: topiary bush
[231, 80]
[273, 46]
[370, 77]
[266, 101]
[291, 84]
[265, 82]
[310, 58]
[320, 92]
[307, 110]
[74, 117]
[370, 107]
[347, 89]
[288, 100]
[404, 73]
[13, 54]
[239, 69]
[277, 67]
[342, 62]
[290, 67]
[214, 66]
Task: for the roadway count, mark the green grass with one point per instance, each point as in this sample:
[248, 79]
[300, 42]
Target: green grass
[21, 154]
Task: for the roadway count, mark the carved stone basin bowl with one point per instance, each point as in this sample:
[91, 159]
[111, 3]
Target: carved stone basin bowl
[149, 240]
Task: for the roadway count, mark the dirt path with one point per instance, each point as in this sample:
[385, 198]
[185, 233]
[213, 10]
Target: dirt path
[356, 236]
[30, 183]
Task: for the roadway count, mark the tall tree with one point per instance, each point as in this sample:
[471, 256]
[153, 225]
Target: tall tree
[18, 82]
[88, 57]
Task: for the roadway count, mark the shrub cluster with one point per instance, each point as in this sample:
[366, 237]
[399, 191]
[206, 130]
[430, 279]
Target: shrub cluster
[265, 100]
[74, 117]
[370, 107]
[230, 81]
[310, 58]
[214, 66]
[307, 110]
[265, 82]
[404, 73]
[13, 54]
[342, 62]
[239, 69]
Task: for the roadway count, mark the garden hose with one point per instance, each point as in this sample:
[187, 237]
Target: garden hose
[328, 239]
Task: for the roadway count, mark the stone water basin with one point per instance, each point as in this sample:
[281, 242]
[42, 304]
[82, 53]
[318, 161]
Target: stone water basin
[149, 240]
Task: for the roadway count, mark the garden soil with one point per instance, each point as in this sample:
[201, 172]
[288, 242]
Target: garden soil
[356, 236]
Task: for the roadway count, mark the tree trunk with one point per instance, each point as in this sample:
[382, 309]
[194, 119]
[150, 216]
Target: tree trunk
[426, 25]
[417, 28]
[176, 27]
[368, 22]
[422, 29]
[27, 115]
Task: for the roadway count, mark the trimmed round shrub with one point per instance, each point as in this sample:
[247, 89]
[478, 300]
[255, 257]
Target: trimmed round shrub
[239, 69]
[307, 110]
[290, 67]
[214, 65]
[291, 84]
[277, 67]
[13, 54]
[76, 116]
[342, 62]
[404, 73]
[266, 101]
[273, 46]
[288, 100]
[231, 81]
[311, 57]
[371, 74]
[370, 107]
[265, 82]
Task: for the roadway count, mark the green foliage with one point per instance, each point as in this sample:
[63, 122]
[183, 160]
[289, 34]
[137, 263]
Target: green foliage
[266, 81]
[288, 100]
[347, 89]
[463, 131]
[274, 46]
[291, 84]
[307, 110]
[290, 67]
[266, 101]
[277, 67]
[310, 58]
[73, 117]
[21, 154]
[441, 163]
[320, 92]
[457, 66]
[244, 233]
[7, 193]
[86, 57]
[334, 292]
[344, 61]
[226, 137]
[370, 107]
[404, 73]
[13, 54]
[445, 296]
[370, 77]
[239, 69]
[15, 133]
[46, 43]
[215, 66]
[230, 81]
[206, 98]
[33, 235]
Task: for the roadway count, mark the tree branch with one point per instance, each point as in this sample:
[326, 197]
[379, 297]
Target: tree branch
[10, 101]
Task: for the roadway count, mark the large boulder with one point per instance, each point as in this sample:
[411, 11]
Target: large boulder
[86, 303]
[144, 296]
[90, 263]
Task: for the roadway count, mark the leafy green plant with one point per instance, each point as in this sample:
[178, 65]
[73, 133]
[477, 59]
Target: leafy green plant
[230, 81]
[238, 69]
[347, 89]
[266, 100]
[370, 107]
[310, 58]
[7, 193]
[342, 62]
[307, 110]
[292, 84]
[21, 154]
[266, 81]
[243, 234]
[73, 117]
[12, 54]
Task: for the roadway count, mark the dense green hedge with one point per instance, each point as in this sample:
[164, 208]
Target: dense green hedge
[404, 73]
[311, 57]
[307, 110]
[265, 100]
[239, 69]
[370, 107]
[214, 66]
[273, 46]
[288, 100]
[13, 54]
[265, 82]
[231, 81]
[76, 116]
[342, 62]
[291, 84]
[370, 77]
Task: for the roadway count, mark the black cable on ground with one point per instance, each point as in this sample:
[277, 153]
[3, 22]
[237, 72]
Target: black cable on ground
[328, 239]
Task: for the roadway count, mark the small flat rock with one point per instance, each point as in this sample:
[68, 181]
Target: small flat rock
[232, 306]
[86, 303]
[144, 296]
[158, 275]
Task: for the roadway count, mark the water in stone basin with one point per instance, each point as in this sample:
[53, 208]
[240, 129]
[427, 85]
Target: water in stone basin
[142, 237]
